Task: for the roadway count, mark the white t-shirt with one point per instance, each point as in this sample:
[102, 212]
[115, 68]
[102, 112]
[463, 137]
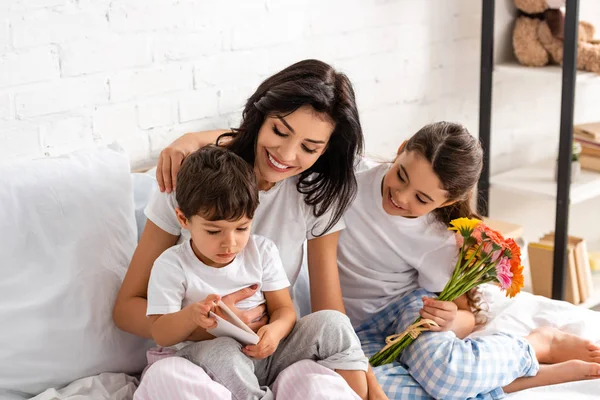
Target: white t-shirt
[281, 216]
[381, 257]
[179, 278]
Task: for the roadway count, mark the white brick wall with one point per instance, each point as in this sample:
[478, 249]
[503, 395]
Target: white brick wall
[77, 72]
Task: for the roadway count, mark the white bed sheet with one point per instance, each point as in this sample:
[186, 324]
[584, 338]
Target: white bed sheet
[518, 316]
[526, 312]
[111, 386]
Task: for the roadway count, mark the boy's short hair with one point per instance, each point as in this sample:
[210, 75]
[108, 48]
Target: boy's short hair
[216, 184]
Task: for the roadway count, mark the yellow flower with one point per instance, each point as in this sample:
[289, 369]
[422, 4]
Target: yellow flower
[464, 225]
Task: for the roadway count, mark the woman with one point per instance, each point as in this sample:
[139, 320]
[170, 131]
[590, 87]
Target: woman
[301, 132]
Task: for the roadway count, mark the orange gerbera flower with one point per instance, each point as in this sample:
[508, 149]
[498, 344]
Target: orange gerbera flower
[518, 281]
[492, 235]
[515, 253]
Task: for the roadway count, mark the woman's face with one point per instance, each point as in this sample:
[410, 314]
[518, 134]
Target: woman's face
[411, 188]
[289, 145]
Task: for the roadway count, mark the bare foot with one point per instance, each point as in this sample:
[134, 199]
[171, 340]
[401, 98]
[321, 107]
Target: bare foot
[553, 346]
[568, 371]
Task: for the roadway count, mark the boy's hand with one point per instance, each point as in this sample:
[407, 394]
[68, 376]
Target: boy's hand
[442, 312]
[199, 311]
[267, 344]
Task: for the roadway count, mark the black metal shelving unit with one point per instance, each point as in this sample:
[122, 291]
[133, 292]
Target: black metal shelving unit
[569, 72]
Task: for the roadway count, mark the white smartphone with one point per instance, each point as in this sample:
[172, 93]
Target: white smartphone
[234, 328]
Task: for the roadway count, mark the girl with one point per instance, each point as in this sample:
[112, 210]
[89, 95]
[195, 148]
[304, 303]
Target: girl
[397, 252]
[301, 132]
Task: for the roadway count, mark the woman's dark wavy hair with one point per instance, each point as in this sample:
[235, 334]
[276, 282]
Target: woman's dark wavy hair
[330, 182]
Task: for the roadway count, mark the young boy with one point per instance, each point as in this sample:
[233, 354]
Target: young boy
[217, 196]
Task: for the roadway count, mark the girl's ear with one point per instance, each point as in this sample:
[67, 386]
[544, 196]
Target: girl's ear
[401, 147]
[183, 221]
[449, 203]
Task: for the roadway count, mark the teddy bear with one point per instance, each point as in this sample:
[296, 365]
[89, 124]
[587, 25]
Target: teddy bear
[539, 32]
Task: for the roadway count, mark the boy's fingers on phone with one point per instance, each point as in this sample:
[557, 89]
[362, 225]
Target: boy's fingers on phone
[220, 313]
[212, 298]
[203, 309]
[250, 350]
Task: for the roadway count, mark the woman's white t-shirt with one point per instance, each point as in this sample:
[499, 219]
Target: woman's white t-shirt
[382, 258]
[282, 216]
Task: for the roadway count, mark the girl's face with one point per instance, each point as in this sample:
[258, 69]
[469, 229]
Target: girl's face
[289, 145]
[411, 188]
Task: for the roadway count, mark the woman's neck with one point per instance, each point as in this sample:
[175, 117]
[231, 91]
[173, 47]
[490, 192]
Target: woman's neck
[263, 184]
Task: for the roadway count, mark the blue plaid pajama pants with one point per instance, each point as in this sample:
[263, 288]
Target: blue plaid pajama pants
[439, 365]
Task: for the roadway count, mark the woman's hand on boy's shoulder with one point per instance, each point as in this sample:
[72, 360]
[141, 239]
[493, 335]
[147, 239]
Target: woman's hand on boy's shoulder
[442, 313]
[269, 341]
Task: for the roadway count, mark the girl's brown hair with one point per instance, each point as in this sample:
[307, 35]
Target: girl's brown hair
[457, 159]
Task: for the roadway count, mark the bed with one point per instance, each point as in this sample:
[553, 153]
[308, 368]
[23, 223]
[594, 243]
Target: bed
[517, 316]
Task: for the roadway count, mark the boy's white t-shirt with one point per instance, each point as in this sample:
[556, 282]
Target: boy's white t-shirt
[179, 278]
[282, 216]
[382, 258]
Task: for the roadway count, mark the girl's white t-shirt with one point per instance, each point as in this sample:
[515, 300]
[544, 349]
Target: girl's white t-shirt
[382, 258]
[282, 216]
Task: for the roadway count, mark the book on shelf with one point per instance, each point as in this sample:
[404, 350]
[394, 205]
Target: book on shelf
[579, 282]
[541, 264]
[592, 150]
[582, 264]
[589, 162]
[590, 131]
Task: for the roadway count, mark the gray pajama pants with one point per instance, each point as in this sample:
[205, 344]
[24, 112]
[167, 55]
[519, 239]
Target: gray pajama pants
[326, 337]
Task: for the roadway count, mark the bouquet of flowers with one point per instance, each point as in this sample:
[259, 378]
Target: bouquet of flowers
[484, 256]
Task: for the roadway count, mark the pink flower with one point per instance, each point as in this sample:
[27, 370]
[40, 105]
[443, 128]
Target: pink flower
[503, 273]
[488, 248]
[460, 240]
[477, 234]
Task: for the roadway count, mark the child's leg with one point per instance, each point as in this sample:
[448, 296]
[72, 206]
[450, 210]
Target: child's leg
[357, 380]
[568, 371]
[175, 378]
[394, 379]
[306, 380]
[555, 346]
[451, 368]
[328, 338]
[224, 362]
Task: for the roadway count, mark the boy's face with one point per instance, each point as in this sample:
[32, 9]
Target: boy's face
[216, 243]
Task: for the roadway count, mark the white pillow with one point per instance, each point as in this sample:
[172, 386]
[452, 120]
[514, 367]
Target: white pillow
[67, 232]
[144, 186]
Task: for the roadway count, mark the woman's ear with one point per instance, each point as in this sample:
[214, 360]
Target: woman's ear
[401, 147]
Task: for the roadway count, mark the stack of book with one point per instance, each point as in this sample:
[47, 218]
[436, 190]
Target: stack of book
[588, 136]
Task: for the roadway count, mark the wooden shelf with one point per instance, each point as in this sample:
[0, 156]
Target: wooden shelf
[514, 71]
[538, 179]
